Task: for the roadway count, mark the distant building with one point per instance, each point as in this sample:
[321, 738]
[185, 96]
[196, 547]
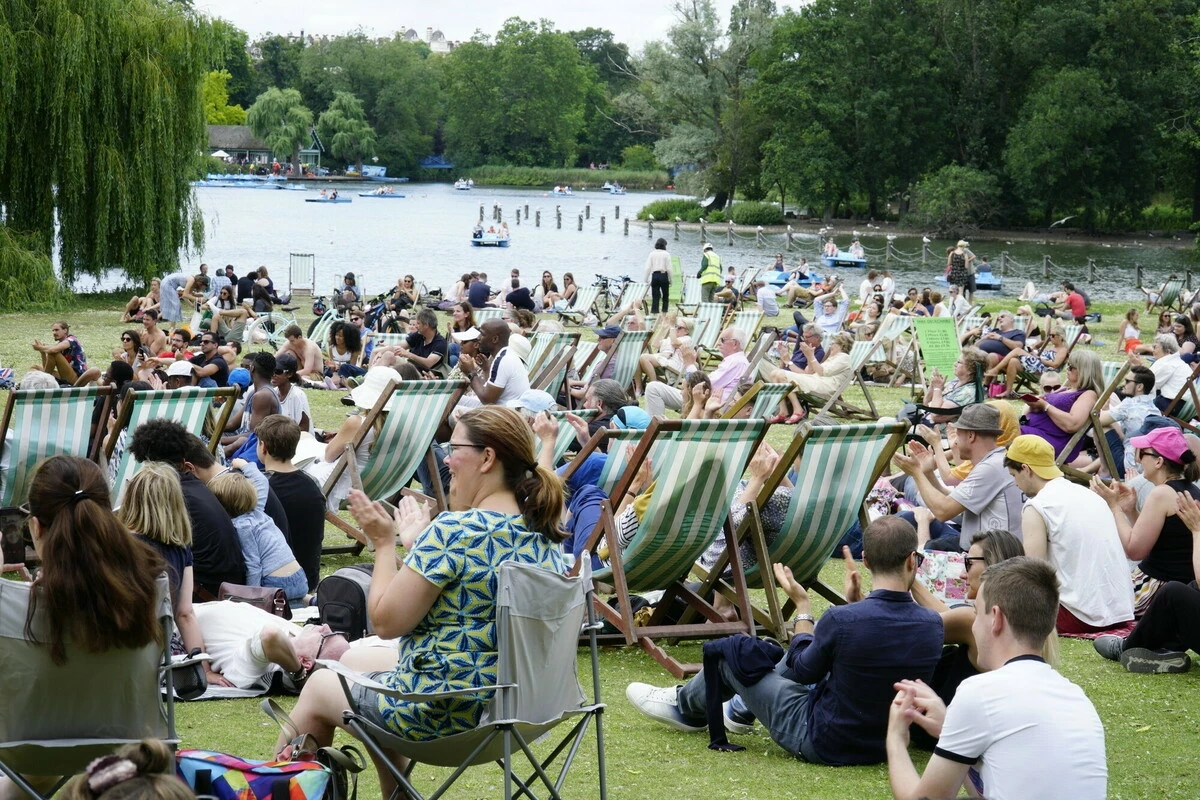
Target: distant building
[238, 142]
[437, 41]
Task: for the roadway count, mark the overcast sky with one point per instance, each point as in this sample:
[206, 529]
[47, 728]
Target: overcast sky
[633, 22]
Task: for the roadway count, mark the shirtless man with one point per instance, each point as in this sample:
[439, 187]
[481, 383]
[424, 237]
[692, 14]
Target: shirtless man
[152, 337]
[306, 351]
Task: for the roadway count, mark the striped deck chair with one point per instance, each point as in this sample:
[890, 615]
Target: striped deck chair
[836, 467]
[709, 318]
[482, 315]
[45, 423]
[190, 406]
[1169, 296]
[585, 304]
[1093, 426]
[546, 345]
[689, 295]
[1109, 370]
[969, 322]
[551, 376]
[414, 410]
[697, 465]
[745, 321]
[758, 351]
[624, 356]
[633, 294]
[763, 400]
[566, 433]
[1184, 405]
[744, 285]
[378, 340]
[1071, 333]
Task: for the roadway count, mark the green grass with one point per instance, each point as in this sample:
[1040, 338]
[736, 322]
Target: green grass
[1150, 721]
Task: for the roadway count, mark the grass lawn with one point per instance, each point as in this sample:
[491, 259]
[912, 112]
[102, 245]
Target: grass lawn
[1151, 721]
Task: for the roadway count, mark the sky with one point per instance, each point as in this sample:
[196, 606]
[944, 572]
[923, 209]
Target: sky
[633, 22]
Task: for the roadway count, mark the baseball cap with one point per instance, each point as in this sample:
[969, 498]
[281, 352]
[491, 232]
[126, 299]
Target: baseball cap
[534, 400]
[239, 377]
[286, 363]
[1037, 453]
[1167, 442]
[469, 335]
[608, 331]
[179, 369]
[631, 417]
[979, 417]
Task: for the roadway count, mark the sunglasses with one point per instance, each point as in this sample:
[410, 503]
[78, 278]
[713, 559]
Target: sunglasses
[126, 339]
[321, 646]
[1050, 387]
[283, 372]
[920, 558]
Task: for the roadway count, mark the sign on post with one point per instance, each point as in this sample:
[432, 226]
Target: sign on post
[938, 340]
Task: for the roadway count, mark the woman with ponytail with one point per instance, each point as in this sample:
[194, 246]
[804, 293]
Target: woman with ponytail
[142, 771]
[96, 588]
[441, 601]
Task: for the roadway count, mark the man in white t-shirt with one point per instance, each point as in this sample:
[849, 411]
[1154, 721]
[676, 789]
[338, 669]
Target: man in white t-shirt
[1033, 734]
[496, 378]
[1065, 524]
[248, 645]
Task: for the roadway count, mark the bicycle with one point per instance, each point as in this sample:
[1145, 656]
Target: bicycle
[610, 293]
[268, 328]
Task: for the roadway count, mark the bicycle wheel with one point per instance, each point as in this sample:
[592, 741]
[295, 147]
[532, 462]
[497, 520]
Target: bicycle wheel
[268, 329]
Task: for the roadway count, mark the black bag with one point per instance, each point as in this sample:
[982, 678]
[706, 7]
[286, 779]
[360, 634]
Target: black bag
[342, 601]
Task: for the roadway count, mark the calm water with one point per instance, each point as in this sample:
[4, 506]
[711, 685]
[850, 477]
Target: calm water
[427, 233]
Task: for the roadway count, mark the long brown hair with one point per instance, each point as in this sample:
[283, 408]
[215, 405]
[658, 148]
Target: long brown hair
[97, 585]
[539, 491]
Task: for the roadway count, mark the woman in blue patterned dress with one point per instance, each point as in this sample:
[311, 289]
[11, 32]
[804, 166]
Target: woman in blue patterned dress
[441, 601]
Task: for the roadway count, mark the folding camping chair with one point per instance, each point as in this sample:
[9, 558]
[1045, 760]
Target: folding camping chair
[44, 423]
[697, 465]
[190, 406]
[836, 467]
[414, 411]
[584, 305]
[539, 618]
[56, 718]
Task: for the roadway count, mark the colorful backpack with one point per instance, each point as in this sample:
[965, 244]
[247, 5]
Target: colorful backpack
[231, 778]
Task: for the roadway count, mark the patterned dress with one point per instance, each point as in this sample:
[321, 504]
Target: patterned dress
[454, 646]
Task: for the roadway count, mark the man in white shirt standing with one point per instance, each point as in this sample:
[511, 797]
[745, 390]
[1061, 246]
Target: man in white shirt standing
[1033, 733]
[1063, 523]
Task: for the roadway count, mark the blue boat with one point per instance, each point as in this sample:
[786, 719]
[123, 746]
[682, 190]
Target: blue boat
[490, 240]
[338, 199]
[781, 278]
[562, 192]
[841, 261]
[392, 196]
[984, 281]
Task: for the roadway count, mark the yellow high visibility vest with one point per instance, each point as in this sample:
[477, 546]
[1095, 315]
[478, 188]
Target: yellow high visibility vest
[710, 269]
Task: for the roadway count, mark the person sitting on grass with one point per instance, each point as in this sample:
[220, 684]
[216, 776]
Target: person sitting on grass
[1036, 735]
[64, 357]
[827, 700]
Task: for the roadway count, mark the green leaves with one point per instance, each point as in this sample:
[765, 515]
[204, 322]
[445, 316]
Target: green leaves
[280, 118]
[344, 127]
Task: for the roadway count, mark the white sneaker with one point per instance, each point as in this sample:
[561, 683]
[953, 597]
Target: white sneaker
[660, 703]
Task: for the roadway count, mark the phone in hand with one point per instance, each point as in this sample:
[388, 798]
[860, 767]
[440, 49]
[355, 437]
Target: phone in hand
[1030, 398]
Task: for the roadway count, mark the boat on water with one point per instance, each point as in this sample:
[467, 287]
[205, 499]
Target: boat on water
[984, 281]
[464, 185]
[613, 188]
[843, 261]
[378, 175]
[562, 191]
[208, 183]
[381, 195]
[338, 199]
[489, 240]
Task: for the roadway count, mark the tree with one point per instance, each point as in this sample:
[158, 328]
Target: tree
[101, 128]
[345, 131]
[281, 120]
[603, 136]
[955, 200]
[279, 65]
[229, 53]
[217, 110]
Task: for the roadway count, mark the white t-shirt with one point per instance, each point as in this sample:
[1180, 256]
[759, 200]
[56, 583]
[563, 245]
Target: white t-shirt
[990, 497]
[1086, 552]
[1170, 374]
[1036, 733]
[231, 636]
[509, 373]
[767, 301]
[295, 406]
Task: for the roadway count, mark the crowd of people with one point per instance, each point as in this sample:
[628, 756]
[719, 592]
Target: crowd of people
[985, 485]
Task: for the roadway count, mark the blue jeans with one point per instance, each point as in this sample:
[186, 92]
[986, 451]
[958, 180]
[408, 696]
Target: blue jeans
[294, 586]
[779, 702]
[455, 349]
[350, 371]
[942, 536]
[206, 383]
[424, 477]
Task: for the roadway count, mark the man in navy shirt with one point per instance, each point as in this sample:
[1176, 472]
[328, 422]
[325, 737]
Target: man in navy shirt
[1002, 339]
[479, 293]
[828, 699]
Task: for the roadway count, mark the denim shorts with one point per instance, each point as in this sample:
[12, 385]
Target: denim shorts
[368, 700]
[294, 586]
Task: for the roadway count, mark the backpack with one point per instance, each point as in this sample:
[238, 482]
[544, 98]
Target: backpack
[342, 601]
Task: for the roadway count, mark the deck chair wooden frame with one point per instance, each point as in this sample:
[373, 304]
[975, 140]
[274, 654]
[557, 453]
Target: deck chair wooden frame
[745, 280]
[45, 423]
[697, 465]
[835, 405]
[746, 321]
[1093, 425]
[624, 355]
[1186, 403]
[689, 295]
[1071, 336]
[553, 374]
[634, 293]
[585, 304]
[758, 351]
[1170, 296]
[763, 399]
[418, 408]
[191, 406]
[546, 345]
[837, 466]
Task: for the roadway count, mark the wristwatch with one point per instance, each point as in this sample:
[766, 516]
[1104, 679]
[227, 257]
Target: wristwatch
[803, 618]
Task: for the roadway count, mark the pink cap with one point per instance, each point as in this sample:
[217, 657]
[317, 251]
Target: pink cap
[1168, 442]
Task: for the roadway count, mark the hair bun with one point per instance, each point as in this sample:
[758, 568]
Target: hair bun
[1187, 457]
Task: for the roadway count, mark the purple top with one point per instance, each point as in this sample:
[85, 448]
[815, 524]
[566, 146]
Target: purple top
[1039, 423]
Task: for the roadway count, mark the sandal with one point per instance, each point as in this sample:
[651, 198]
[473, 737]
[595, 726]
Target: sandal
[794, 419]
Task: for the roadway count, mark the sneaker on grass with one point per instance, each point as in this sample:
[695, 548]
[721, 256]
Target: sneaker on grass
[738, 718]
[660, 703]
[1109, 645]
[1155, 662]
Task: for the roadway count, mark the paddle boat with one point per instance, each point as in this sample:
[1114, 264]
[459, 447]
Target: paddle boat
[333, 197]
[490, 240]
[380, 195]
[562, 191]
[843, 261]
[984, 281]
[464, 185]
[613, 188]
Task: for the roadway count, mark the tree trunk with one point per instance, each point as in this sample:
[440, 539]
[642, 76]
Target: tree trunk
[296, 161]
[358, 165]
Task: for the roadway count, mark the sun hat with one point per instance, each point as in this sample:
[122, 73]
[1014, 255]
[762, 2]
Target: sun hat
[981, 418]
[534, 400]
[469, 335]
[367, 393]
[1167, 442]
[962, 243]
[631, 417]
[180, 369]
[519, 346]
[1037, 453]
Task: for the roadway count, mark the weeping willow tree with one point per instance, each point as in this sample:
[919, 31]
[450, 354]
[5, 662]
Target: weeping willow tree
[101, 128]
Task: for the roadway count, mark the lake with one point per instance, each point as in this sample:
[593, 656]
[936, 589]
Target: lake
[427, 233]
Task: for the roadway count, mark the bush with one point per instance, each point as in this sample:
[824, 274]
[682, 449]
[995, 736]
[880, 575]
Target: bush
[575, 178]
[669, 209]
[954, 200]
[1160, 217]
[756, 214]
[640, 158]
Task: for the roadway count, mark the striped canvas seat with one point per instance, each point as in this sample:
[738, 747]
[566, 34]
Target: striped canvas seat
[709, 317]
[689, 294]
[624, 355]
[386, 340]
[566, 433]
[45, 423]
[482, 315]
[747, 321]
[190, 406]
[1109, 370]
[546, 345]
[585, 300]
[763, 399]
[1168, 298]
[634, 294]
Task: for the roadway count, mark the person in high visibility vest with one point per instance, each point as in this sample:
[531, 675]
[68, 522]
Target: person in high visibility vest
[709, 274]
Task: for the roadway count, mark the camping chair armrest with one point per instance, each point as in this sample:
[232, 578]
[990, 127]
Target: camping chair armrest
[182, 661]
[348, 676]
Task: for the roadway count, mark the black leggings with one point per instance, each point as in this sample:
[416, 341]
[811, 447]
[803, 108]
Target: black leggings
[660, 288]
[1171, 622]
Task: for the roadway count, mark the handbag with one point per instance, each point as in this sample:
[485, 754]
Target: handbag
[227, 777]
[269, 599]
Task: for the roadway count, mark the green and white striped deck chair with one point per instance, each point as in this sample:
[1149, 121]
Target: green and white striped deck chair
[747, 321]
[552, 374]
[1021, 323]
[689, 294]
[45, 423]
[1071, 333]
[1109, 370]
[745, 283]
[546, 345]
[709, 319]
[758, 351]
[190, 406]
[566, 434]
[482, 315]
[1093, 425]
[763, 400]
[697, 465]
[624, 355]
[634, 294]
[1169, 296]
[386, 340]
[414, 410]
[969, 322]
[585, 303]
[836, 467]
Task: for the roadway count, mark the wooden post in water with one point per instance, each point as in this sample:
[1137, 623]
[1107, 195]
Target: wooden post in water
[703, 231]
[759, 239]
[481, 212]
[1187, 279]
[649, 228]
[1137, 271]
[924, 253]
[587, 211]
[729, 233]
[677, 229]
[558, 217]
[787, 242]
[627, 226]
[1091, 270]
[1003, 262]
[887, 252]
[518, 216]
[537, 219]
[602, 223]
[1046, 267]
[527, 211]
[580, 221]
[617, 213]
